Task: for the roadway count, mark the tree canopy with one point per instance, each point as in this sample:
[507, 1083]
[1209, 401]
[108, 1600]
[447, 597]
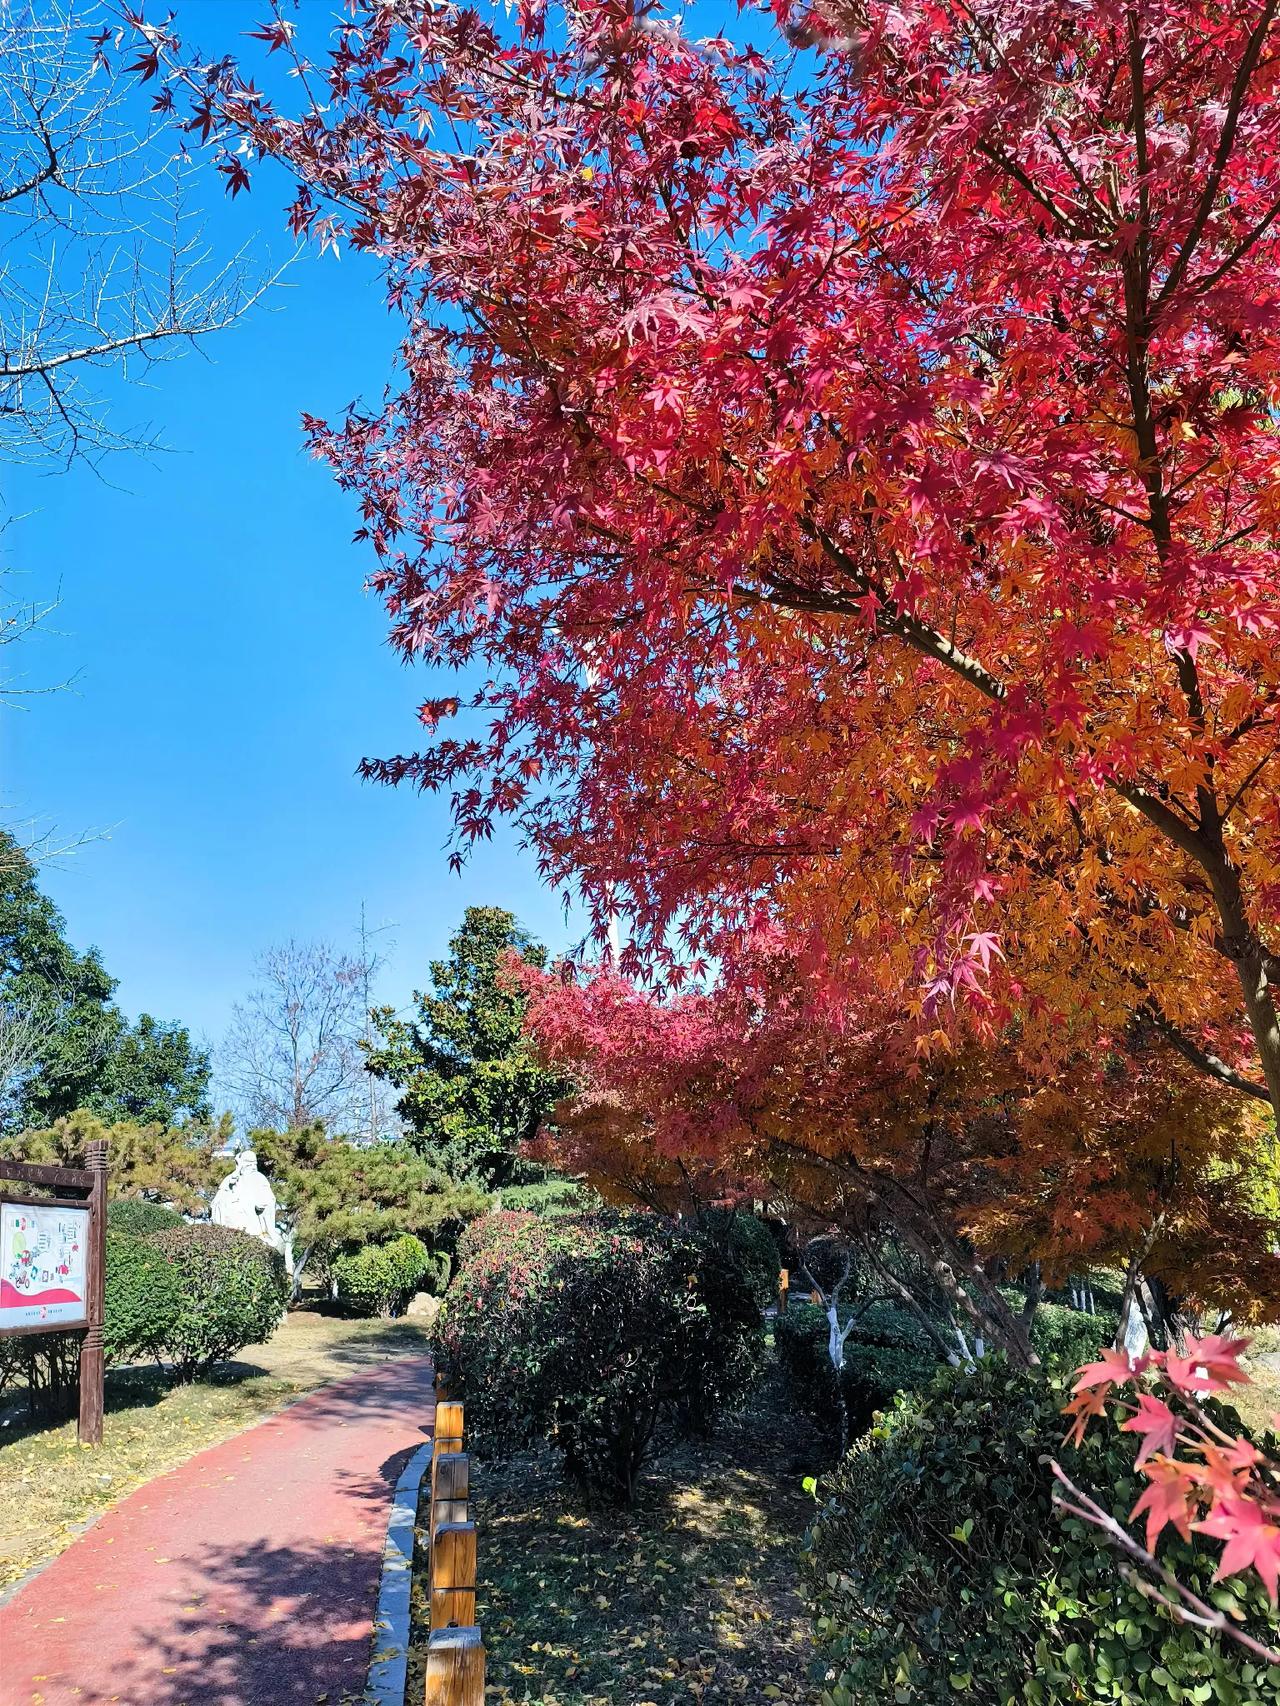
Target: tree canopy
[337, 1196]
[848, 470]
[64, 1043]
[471, 1090]
[149, 1162]
[980, 1169]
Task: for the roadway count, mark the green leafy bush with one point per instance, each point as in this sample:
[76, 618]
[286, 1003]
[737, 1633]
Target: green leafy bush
[1065, 1338]
[142, 1297]
[233, 1288]
[497, 1227]
[45, 1369]
[549, 1196]
[381, 1278]
[744, 1239]
[884, 1355]
[590, 1331]
[137, 1219]
[938, 1568]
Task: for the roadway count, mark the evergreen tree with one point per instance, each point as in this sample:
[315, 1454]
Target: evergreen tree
[470, 1089]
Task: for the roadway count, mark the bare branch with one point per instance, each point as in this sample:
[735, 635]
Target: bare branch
[102, 267]
[1177, 1599]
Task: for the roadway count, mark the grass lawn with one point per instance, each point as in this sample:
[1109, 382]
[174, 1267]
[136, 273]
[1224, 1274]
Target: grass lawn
[1259, 1402]
[691, 1597]
[51, 1487]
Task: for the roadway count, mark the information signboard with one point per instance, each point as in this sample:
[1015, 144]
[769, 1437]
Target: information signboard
[44, 1250]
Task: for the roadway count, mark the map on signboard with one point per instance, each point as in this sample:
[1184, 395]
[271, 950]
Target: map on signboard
[43, 1251]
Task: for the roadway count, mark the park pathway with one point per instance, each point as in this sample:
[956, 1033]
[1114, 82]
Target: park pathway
[245, 1577]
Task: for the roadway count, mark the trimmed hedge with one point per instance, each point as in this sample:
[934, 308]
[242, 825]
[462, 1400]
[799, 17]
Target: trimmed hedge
[234, 1289]
[889, 1352]
[939, 1570]
[1065, 1338]
[497, 1227]
[381, 1278]
[744, 1239]
[588, 1331]
[142, 1298]
[138, 1219]
[549, 1197]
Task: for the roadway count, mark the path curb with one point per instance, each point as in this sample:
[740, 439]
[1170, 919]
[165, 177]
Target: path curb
[389, 1667]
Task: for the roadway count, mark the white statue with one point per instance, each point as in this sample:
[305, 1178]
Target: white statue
[246, 1201]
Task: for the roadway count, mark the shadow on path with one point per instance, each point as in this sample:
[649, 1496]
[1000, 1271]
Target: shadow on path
[245, 1577]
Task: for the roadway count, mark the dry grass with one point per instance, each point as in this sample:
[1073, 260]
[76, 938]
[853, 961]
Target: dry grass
[51, 1487]
[1259, 1402]
[689, 1598]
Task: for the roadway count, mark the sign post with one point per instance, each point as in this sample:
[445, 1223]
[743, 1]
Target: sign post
[91, 1355]
[53, 1264]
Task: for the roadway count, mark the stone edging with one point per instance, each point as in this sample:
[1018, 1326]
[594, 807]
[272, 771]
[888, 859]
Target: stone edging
[389, 1665]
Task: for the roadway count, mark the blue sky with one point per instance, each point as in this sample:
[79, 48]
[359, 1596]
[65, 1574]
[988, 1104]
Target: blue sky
[230, 670]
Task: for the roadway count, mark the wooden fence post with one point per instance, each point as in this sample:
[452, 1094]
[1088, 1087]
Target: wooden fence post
[450, 1488]
[446, 1442]
[455, 1668]
[449, 1418]
[453, 1575]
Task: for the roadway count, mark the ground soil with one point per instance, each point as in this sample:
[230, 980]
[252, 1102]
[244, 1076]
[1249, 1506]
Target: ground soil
[690, 1597]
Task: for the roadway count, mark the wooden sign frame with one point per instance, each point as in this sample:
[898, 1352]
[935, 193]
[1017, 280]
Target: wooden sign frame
[79, 1188]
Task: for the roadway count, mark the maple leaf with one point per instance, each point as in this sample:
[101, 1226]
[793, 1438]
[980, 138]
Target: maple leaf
[1083, 1407]
[1252, 1535]
[1158, 1425]
[1112, 1368]
[1209, 1365]
[1169, 1497]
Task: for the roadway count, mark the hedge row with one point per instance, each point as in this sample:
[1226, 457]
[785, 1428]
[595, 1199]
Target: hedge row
[889, 1352]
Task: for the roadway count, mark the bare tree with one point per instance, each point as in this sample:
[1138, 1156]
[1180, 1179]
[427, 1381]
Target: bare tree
[292, 1054]
[101, 264]
[381, 1117]
[26, 1028]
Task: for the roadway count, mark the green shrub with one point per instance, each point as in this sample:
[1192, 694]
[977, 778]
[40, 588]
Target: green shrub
[381, 1278]
[234, 1290]
[44, 1368]
[889, 1324]
[591, 1330]
[938, 1568]
[499, 1226]
[883, 1356]
[747, 1241]
[1066, 1338]
[549, 1196]
[138, 1219]
[142, 1297]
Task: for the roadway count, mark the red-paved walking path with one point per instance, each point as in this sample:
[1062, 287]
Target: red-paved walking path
[248, 1576]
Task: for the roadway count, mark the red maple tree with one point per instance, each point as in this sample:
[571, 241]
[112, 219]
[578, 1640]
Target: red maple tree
[850, 473]
[981, 1171]
[848, 470]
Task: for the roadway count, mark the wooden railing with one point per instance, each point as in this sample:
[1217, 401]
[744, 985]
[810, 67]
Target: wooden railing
[455, 1651]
